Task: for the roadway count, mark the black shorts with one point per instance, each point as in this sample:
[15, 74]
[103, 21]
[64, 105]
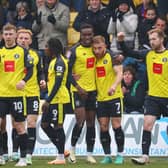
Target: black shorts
[14, 106]
[156, 106]
[89, 103]
[111, 108]
[55, 115]
[32, 105]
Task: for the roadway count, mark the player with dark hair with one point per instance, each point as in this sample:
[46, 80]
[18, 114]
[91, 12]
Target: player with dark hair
[58, 96]
[82, 65]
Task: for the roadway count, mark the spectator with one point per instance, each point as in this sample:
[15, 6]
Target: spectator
[11, 14]
[123, 20]
[98, 16]
[142, 8]
[23, 19]
[162, 7]
[2, 16]
[133, 90]
[52, 20]
[146, 25]
[40, 3]
[113, 4]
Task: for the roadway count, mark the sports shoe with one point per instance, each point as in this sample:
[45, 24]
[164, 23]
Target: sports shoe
[57, 162]
[91, 159]
[21, 162]
[119, 159]
[72, 157]
[15, 157]
[66, 153]
[29, 159]
[106, 160]
[2, 161]
[141, 160]
[6, 157]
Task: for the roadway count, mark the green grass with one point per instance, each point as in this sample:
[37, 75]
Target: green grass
[41, 162]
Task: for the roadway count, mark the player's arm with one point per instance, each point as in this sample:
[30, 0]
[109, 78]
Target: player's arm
[40, 73]
[71, 62]
[28, 64]
[118, 69]
[141, 54]
[73, 77]
[59, 74]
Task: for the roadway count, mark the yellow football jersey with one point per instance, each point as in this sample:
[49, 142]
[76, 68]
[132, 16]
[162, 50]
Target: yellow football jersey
[58, 67]
[157, 71]
[13, 62]
[84, 66]
[105, 76]
[32, 86]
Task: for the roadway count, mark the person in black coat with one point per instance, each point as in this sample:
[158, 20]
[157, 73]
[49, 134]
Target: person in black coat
[133, 90]
[98, 16]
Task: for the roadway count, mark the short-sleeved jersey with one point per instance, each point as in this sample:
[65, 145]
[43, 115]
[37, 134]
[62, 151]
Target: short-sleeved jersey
[105, 76]
[58, 67]
[157, 70]
[13, 63]
[32, 86]
[83, 65]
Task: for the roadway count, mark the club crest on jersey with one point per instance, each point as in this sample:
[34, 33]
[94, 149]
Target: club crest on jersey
[30, 59]
[16, 56]
[59, 69]
[164, 59]
[105, 61]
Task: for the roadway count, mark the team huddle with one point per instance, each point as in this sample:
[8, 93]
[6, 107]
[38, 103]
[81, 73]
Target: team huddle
[92, 74]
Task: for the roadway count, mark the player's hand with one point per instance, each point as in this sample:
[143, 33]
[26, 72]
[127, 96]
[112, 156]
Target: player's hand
[83, 94]
[45, 107]
[42, 84]
[111, 91]
[20, 85]
[76, 76]
[120, 36]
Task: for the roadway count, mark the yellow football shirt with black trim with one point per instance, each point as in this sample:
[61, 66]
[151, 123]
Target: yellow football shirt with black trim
[157, 71]
[13, 62]
[32, 86]
[105, 76]
[84, 66]
[55, 70]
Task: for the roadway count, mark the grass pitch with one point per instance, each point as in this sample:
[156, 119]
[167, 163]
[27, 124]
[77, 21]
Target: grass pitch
[41, 162]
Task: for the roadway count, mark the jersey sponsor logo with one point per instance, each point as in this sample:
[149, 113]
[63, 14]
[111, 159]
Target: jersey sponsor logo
[157, 68]
[90, 62]
[100, 72]
[9, 66]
